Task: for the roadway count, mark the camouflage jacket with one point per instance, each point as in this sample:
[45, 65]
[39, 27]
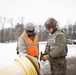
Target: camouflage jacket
[56, 44]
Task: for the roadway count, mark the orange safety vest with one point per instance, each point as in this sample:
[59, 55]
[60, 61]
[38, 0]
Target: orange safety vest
[31, 45]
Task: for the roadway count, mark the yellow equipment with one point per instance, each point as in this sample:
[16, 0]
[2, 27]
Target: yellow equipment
[22, 66]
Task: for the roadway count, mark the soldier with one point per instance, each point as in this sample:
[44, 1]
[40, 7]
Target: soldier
[28, 42]
[56, 48]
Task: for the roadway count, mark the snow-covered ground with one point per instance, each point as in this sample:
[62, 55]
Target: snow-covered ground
[8, 52]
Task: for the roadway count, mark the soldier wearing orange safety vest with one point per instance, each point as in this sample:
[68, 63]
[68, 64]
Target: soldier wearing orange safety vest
[28, 42]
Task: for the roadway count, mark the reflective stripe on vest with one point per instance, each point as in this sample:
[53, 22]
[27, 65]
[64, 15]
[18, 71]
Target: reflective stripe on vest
[31, 46]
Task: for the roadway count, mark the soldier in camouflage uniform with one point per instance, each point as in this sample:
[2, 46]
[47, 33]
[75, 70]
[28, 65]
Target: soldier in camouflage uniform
[56, 48]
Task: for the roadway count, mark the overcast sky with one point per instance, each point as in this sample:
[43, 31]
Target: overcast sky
[38, 11]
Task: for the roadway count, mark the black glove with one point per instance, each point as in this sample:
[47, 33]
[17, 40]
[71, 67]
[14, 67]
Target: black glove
[17, 52]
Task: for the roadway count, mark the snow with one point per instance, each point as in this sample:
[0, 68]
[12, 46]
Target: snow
[8, 52]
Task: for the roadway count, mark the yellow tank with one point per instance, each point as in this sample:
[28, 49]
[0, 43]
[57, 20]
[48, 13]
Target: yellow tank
[22, 66]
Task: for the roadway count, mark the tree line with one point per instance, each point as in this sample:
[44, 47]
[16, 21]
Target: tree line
[12, 33]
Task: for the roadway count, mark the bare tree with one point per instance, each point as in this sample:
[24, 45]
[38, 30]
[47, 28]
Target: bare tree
[2, 23]
[21, 20]
[74, 31]
[18, 29]
[11, 22]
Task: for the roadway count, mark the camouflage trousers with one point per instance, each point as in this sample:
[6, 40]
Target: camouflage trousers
[58, 66]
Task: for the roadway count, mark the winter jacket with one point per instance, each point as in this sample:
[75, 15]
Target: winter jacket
[28, 46]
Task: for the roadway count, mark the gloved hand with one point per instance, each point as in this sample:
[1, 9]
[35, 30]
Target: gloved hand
[17, 52]
[45, 57]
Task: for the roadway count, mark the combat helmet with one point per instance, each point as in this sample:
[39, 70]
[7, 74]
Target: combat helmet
[50, 22]
[29, 27]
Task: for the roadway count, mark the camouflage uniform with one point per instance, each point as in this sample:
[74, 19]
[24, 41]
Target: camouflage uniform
[57, 49]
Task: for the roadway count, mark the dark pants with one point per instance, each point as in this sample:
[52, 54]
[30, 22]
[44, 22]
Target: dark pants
[58, 66]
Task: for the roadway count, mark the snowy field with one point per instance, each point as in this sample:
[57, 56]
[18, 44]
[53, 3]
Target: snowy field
[8, 52]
